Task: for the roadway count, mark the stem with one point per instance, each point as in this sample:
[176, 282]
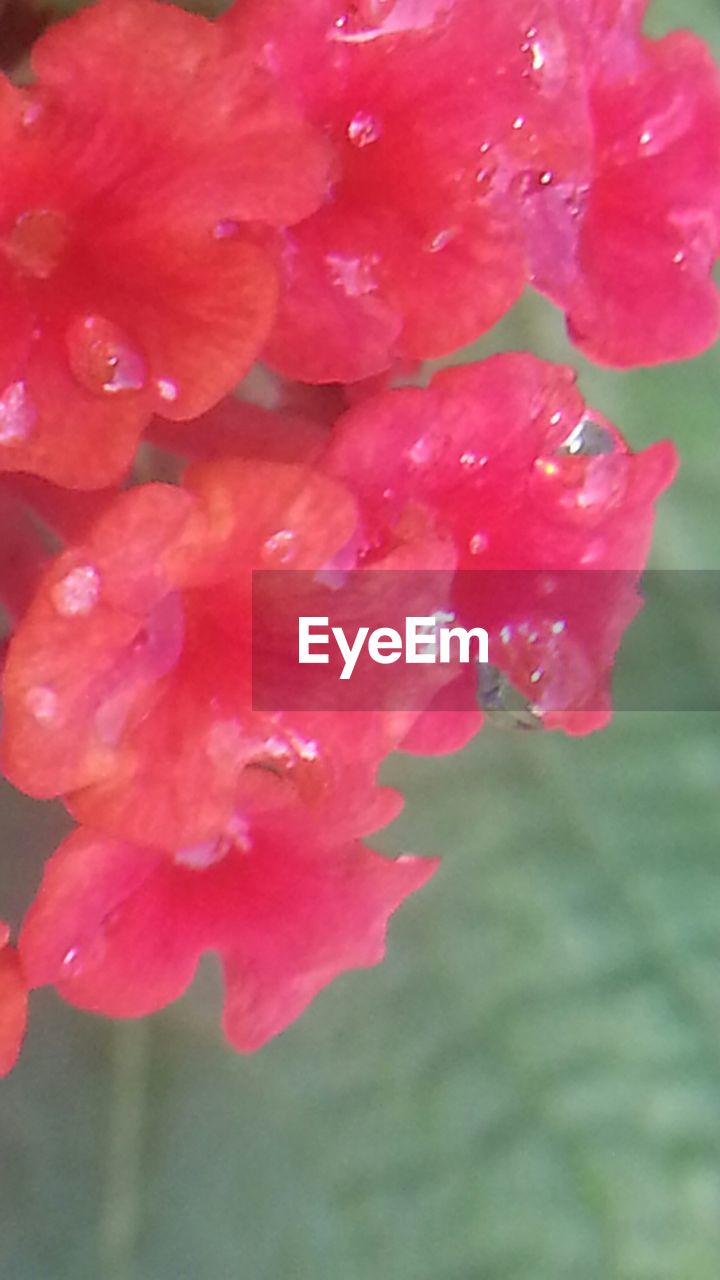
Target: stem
[120, 1214]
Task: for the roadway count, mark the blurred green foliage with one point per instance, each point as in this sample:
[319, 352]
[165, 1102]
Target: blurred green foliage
[528, 1089]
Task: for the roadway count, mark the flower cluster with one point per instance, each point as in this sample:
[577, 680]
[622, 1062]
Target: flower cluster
[479, 147]
[185, 197]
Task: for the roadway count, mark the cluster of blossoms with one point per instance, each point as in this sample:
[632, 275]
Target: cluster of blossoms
[341, 191]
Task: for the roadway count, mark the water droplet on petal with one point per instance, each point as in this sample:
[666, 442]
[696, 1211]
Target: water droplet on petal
[545, 664]
[103, 358]
[581, 489]
[78, 592]
[421, 451]
[594, 552]
[71, 961]
[280, 549]
[538, 56]
[226, 229]
[485, 176]
[697, 231]
[42, 703]
[200, 856]
[439, 240]
[17, 414]
[31, 113]
[355, 276]
[589, 439]
[37, 242]
[363, 129]
[366, 20]
[504, 706]
[167, 389]
[471, 461]
[478, 543]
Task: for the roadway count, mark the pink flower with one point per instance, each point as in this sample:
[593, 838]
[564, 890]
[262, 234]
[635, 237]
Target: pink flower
[129, 281]
[540, 495]
[119, 929]
[480, 147]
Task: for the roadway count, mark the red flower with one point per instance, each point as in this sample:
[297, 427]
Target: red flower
[512, 464]
[128, 684]
[480, 146]
[634, 272]
[119, 929]
[13, 1003]
[128, 283]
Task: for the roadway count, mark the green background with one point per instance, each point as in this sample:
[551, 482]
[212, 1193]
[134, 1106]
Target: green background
[528, 1089]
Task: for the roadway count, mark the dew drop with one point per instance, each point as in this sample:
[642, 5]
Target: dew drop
[226, 229]
[421, 451]
[42, 703]
[536, 53]
[71, 961]
[581, 489]
[363, 129]
[366, 20]
[698, 235]
[589, 439]
[355, 276]
[103, 358]
[518, 122]
[538, 57]
[200, 856]
[37, 242]
[78, 592]
[17, 415]
[544, 666]
[486, 174]
[280, 549]
[478, 543]
[504, 706]
[167, 390]
[472, 461]
[31, 114]
[112, 715]
[594, 552]
[441, 239]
